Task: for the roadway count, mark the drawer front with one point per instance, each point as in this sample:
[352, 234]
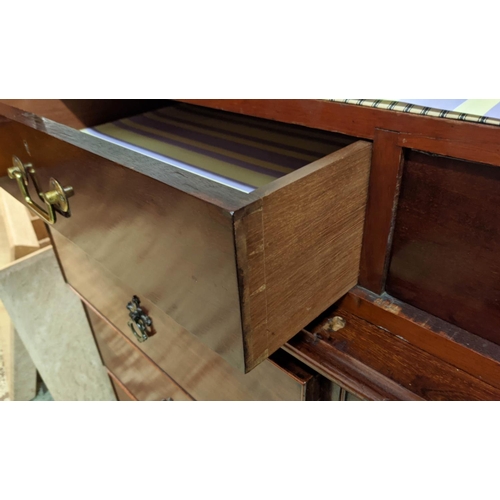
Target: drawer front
[129, 223]
[193, 366]
[144, 380]
[263, 264]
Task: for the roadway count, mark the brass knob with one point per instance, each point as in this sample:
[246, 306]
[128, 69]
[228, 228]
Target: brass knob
[58, 195]
[56, 199]
[139, 320]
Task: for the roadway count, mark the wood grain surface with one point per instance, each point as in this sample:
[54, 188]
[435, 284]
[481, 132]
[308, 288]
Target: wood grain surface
[345, 370]
[310, 385]
[374, 364]
[122, 393]
[382, 201]
[311, 218]
[80, 113]
[456, 346]
[445, 255]
[140, 377]
[298, 247]
[458, 139]
[49, 144]
[176, 249]
[470, 141]
[193, 366]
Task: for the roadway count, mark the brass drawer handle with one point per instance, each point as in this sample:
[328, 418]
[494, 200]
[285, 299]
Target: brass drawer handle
[56, 200]
[139, 319]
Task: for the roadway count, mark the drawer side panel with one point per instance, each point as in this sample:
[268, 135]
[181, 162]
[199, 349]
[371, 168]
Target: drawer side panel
[299, 247]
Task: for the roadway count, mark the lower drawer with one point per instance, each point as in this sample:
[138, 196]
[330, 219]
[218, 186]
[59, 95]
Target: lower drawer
[137, 374]
[193, 366]
[122, 393]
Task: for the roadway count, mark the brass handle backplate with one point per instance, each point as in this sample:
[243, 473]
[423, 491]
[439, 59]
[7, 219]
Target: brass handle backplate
[140, 320]
[56, 199]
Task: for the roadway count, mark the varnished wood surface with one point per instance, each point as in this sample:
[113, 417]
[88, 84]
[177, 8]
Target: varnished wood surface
[298, 247]
[454, 345]
[446, 253]
[176, 249]
[382, 201]
[122, 393]
[193, 366]
[130, 222]
[141, 377]
[52, 145]
[470, 141]
[466, 140]
[145, 381]
[372, 363]
[80, 113]
[459, 139]
[345, 370]
[310, 384]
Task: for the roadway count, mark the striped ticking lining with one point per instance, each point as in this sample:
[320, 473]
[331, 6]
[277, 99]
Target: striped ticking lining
[234, 150]
[485, 111]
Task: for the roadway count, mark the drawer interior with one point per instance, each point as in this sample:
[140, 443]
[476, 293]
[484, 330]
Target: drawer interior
[240, 152]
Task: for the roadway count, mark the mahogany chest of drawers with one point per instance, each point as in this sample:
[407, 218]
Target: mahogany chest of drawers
[230, 243]
[222, 263]
[204, 247]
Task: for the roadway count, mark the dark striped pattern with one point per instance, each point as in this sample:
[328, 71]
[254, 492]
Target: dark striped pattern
[239, 151]
[426, 110]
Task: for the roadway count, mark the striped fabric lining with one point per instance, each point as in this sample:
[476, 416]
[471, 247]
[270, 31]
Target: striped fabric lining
[233, 150]
[485, 111]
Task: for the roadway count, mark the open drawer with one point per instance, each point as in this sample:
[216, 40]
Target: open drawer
[240, 229]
